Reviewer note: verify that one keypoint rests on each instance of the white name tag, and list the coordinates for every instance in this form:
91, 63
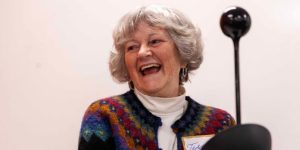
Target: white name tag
195, 142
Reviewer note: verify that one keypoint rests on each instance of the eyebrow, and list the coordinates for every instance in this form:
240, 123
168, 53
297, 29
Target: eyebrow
131, 39
151, 34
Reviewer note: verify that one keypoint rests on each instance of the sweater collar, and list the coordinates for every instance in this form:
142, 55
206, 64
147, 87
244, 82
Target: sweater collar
138, 109
193, 109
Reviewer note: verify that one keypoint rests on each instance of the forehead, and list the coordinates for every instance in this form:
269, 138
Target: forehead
144, 29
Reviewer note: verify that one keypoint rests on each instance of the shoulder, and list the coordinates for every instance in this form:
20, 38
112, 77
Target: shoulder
211, 119
98, 116
220, 117
105, 105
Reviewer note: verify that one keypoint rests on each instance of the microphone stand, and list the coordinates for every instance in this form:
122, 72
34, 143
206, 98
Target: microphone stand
235, 22
237, 80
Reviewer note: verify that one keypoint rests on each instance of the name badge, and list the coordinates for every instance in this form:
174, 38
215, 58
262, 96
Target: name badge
195, 142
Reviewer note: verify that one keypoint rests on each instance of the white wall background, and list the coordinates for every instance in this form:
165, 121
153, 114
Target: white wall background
54, 54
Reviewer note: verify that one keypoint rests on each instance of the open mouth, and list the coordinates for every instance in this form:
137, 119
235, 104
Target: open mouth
150, 69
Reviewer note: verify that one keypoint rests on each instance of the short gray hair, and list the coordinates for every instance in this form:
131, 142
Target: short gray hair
186, 36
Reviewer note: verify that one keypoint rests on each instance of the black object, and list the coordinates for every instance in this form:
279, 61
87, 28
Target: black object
235, 22
241, 137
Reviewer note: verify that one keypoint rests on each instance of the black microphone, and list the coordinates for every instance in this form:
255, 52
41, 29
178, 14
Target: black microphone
235, 22
241, 137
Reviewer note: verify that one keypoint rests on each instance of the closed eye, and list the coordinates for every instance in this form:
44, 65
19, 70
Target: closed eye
132, 47
155, 42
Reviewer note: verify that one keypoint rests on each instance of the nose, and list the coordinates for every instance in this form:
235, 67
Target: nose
144, 51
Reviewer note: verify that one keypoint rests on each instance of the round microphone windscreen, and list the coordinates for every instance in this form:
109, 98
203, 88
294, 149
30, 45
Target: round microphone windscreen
241, 137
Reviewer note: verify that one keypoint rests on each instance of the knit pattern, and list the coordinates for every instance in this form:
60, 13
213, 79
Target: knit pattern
124, 119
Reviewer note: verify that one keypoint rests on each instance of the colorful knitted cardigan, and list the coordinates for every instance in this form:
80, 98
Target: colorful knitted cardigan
123, 123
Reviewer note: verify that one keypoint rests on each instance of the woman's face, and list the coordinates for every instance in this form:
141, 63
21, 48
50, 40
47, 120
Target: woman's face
153, 62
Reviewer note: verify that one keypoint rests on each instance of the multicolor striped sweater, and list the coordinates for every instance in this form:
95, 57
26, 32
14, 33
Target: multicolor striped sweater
123, 123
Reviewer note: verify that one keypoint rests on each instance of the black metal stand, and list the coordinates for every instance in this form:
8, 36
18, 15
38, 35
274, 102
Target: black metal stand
237, 80
235, 23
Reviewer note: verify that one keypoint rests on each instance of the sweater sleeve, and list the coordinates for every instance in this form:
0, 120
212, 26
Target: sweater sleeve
232, 121
95, 132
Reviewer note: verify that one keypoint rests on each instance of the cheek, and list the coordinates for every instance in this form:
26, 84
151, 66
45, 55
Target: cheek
175, 64
127, 60
173, 59
130, 62
172, 66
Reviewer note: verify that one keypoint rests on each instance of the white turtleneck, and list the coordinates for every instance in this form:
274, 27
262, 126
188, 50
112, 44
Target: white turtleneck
169, 110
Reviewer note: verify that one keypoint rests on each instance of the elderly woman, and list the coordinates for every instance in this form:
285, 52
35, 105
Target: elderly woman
156, 49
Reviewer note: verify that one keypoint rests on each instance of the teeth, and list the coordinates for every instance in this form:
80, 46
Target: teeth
149, 66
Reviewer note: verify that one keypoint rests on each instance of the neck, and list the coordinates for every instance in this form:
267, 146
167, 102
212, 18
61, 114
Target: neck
163, 106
